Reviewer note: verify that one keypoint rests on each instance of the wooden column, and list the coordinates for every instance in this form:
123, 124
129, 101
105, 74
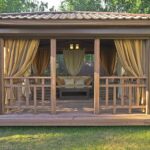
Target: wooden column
96, 75
147, 68
53, 75
1, 76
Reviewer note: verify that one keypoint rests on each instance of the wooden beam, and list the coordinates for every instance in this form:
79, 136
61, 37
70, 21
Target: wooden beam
96, 75
53, 75
1, 76
74, 119
147, 69
78, 32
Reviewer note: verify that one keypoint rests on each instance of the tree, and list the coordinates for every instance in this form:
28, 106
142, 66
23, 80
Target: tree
131, 6
22, 6
80, 5
136, 6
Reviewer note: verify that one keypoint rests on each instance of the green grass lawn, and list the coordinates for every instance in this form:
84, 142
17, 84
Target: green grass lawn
75, 138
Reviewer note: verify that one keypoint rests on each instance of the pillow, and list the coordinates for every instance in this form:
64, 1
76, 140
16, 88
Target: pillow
69, 83
79, 83
60, 81
88, 81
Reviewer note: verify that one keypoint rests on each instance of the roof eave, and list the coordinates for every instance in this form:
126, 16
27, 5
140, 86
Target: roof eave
102, 22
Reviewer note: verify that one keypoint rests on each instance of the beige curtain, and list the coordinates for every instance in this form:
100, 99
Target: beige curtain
73, 60
41, 61
19, 55
131, 55
108, 59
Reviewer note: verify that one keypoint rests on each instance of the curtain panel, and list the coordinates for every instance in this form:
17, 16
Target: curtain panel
73, 60
131, 55
41, 61
108, 57
18, 57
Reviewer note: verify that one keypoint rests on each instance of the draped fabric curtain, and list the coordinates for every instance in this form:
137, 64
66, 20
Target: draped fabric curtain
131, 55
19, 55
41, 61
108, 60
73, 60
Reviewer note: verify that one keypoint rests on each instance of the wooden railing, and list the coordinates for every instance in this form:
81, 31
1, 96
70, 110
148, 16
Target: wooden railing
123, 93
118, 94
27, 94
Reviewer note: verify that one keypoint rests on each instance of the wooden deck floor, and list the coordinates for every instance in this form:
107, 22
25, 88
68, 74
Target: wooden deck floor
72, 106
73, 113
74, 119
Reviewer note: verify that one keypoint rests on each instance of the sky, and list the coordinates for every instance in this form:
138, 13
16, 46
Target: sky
51, 3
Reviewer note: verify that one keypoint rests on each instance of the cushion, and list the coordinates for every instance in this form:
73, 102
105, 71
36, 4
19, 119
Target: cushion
88, 81
60, 81
69, 83
79, 83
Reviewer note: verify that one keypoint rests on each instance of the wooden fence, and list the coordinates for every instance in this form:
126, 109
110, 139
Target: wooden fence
123, 93
27, 93
34, 93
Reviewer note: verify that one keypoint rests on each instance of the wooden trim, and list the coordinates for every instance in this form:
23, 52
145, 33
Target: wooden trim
123, 77
53, 75
96, 75
1, 76
92, 37
33, 77
78, 32
75, 120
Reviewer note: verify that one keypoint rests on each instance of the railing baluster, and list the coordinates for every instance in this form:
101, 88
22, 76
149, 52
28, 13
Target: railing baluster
138, 93
11, 92
35, 100
130, 99
122, 92
114, 99
43, 92
27, 91
106, 97
19, 91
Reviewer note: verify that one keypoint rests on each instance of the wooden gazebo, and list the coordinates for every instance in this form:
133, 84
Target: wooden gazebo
22, 34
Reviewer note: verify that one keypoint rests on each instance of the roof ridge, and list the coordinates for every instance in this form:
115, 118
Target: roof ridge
76, 15
67, 12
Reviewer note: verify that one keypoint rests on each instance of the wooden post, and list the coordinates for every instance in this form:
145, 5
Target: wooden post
1, 76
96, 75
53, 75
147, 68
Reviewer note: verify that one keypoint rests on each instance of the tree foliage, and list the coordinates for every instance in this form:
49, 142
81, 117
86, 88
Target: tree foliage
80, 5
22, 6
131, 6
